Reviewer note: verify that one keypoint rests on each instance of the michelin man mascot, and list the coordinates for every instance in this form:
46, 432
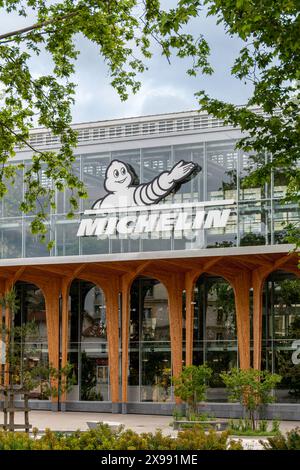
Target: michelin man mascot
124, 190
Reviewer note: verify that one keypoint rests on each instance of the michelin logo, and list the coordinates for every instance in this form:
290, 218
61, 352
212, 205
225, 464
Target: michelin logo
131, 209
124, 190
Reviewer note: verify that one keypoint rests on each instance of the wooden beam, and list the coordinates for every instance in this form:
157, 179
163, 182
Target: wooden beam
18, 274
113, 267
78, 270
209, 264
48, 270
176, 264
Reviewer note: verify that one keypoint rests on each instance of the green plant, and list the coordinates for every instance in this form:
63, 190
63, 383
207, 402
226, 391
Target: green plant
177, 414
252, 388
275, 426
191, 386
263, 425
103, 438
280, 442
243, 427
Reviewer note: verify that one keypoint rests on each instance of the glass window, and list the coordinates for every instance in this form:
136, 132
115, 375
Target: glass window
63, 197
247, 164
88, 350
281, 332
284, 215
34, 347
66, 240
221, 170
33, 246
149, 344
215, 336
94, 169
254, 223
193, 189
11, 238
14, 196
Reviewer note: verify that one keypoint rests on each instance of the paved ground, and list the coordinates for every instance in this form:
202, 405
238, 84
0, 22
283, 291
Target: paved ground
70, 421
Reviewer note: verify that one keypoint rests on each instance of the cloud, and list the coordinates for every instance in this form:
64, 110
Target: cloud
165, 88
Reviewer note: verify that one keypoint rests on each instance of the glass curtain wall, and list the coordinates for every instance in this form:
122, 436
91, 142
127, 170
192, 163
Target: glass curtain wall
281, 333
257, 218
34, 348
215, 336
88, 351
149, 342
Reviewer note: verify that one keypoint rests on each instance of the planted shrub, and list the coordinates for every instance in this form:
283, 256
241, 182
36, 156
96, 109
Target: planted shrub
280, 442
103, 438
191, 386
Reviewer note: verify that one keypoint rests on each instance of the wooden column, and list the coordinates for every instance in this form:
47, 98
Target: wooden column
126, 285
65, 289
52, 292
189, 317
257, 284
241, 285
9, 283
2, 291
175, 288
112, 323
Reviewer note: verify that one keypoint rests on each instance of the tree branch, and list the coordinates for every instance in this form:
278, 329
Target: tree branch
18, 32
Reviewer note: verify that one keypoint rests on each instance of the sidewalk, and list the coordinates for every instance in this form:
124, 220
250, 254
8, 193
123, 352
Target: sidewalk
71, 421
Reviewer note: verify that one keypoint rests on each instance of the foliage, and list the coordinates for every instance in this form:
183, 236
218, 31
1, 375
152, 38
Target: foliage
103, 438
270, 61
191, 385
281, 442
123, 31
252, 388
252, 239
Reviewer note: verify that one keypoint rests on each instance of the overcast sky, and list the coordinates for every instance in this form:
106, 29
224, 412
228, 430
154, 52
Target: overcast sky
165, 88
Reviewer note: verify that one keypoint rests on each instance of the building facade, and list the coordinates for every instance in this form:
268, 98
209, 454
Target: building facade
170, 261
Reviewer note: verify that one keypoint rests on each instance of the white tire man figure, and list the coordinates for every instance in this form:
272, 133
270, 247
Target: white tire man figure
124, 190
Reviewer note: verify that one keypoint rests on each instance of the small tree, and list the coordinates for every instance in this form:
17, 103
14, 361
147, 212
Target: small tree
191, 386
24, 371
252, 388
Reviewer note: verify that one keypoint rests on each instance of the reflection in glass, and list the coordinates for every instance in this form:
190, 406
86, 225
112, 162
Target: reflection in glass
281, 332
88, 342
11, 238
254, 223
94, 169
221, 170
66, 241
215, 336
63, 197
32, 309
33, 246
14, 196
149, 343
